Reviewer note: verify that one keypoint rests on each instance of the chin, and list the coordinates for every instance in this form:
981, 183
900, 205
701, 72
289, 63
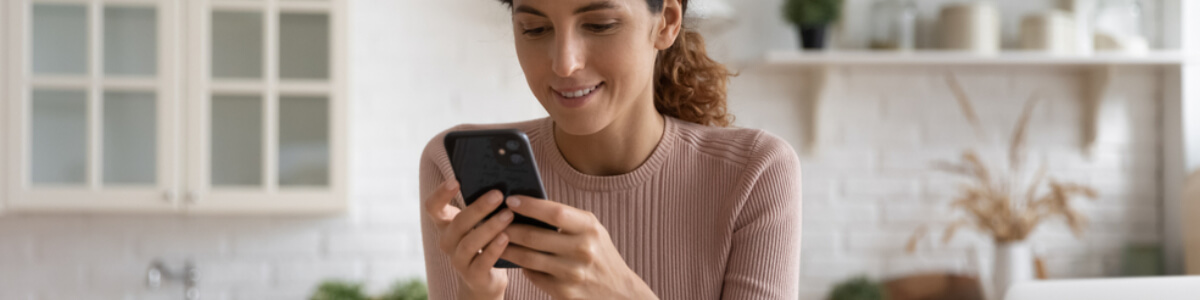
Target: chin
580, 123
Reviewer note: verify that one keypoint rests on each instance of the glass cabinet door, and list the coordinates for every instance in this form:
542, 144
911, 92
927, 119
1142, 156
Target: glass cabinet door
270, 111
95, 130
58, 152
60, 38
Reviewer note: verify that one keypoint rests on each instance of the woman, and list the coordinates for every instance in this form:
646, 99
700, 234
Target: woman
652, 196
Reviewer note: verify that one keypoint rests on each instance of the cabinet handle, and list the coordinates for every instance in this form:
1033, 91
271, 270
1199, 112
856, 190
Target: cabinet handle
192, 197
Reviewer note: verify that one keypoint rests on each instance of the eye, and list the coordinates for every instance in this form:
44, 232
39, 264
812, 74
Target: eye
534, 31
600, 27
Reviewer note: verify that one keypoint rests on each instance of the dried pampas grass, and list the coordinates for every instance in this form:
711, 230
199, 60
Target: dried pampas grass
992, 201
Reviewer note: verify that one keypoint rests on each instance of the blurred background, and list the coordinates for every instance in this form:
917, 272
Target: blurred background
267, 146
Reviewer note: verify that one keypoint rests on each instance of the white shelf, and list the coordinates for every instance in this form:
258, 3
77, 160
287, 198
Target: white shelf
1098, 73
935, 58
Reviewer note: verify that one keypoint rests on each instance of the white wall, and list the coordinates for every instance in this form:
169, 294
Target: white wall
418, 67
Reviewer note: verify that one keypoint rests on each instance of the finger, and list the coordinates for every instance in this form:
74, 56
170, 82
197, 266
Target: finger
438, 204
541, 280
535, 260
538, 276
475, 240
486, 260
468, 218
568, 219
542, 239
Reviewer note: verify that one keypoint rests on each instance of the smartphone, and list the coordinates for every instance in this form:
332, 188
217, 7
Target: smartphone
499, 159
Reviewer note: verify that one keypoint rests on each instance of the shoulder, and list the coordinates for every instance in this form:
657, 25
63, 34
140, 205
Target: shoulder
771, 151
434, 154
763, 171
754, 149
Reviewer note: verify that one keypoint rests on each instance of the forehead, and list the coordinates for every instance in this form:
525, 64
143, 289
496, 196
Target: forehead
575, 6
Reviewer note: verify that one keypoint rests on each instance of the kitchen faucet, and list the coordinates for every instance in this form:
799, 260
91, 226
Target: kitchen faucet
189, 275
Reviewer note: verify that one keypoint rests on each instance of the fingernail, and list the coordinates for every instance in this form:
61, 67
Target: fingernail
502, 239
514, 202
506, 215
495, 197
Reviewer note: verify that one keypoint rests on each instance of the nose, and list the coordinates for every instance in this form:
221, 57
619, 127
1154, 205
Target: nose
568, 53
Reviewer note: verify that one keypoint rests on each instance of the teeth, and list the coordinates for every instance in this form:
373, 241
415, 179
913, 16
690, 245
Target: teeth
579, 93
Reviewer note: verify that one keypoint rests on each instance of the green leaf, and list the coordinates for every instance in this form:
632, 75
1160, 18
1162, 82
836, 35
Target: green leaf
858, 288
339, 290
413, 289
812, 12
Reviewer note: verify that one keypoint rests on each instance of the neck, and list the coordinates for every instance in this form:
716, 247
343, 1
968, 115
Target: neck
617, 149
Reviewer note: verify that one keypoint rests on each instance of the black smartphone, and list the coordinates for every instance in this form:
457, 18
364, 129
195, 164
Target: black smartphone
499, 159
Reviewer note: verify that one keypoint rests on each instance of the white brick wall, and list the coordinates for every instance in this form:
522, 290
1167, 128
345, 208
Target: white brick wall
418, 67
865, 198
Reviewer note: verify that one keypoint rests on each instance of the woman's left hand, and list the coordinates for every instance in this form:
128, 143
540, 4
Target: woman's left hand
578, 261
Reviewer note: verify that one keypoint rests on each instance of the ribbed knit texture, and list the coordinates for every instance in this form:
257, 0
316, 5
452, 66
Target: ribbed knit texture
714, 213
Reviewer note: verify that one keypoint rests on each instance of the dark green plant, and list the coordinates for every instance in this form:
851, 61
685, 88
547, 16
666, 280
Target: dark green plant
858, 288
339, 290
812, 12
412, 290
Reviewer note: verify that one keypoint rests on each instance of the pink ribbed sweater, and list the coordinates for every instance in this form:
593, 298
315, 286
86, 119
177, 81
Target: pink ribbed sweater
714, 213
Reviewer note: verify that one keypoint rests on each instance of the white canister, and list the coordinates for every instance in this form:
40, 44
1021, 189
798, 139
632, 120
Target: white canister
1051, 32
973, 26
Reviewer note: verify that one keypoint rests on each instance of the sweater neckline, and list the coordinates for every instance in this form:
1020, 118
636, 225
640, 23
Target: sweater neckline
643, 173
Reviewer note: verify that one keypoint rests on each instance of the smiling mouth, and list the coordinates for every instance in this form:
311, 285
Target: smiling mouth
579, 93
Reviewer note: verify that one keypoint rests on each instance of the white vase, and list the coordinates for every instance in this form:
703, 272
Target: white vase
1013, 264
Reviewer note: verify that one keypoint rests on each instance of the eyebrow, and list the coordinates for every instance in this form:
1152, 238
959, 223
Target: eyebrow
598, 5
594, 6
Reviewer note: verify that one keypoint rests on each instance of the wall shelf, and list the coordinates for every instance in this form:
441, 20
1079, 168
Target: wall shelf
947, 58
1097, 71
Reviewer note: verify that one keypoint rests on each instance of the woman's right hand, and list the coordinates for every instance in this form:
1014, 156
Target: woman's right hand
473, 247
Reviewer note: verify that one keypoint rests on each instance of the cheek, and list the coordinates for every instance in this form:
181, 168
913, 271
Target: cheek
535, 64
529, 57
627, 64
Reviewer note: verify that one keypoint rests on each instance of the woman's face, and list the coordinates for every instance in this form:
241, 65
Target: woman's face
590, 62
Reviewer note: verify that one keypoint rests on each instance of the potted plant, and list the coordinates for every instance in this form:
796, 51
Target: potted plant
858, 288
1007, 203
811, 18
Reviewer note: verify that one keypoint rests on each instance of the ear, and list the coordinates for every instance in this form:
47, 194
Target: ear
670, 23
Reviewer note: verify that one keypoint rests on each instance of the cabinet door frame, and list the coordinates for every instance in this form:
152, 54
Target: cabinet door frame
6, 24
94, 196
202, 197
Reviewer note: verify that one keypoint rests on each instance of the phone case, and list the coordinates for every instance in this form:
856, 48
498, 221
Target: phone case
500, 159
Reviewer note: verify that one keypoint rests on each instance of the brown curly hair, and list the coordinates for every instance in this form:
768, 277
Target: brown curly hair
688, 84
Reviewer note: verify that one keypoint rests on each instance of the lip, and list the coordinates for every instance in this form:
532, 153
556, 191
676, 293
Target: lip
578, 102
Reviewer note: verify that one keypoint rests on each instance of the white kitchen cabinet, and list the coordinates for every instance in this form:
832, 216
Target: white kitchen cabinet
233, 106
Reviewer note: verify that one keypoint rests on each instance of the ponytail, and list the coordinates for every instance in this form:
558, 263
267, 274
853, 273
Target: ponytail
690, 86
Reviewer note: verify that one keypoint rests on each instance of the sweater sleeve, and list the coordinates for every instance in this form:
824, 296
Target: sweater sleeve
440, 275
764, 256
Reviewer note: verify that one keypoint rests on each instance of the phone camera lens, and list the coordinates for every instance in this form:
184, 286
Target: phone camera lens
517, 159
512, 145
